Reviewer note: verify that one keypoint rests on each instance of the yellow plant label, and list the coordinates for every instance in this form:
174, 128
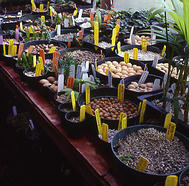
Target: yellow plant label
75, 12
89, 110
47, 5
87, 95
96, 33
142, 112
126, 57
145, 66
41, 7
73, 101
33, 5
119, 47
135, 53
105, 132
82, 113
124, 123
38, 70
98, 121
171, 128
51, 13
30, 30
52, 50
34, 61
42, 20
163, 51
41, 64
117, 29
113, 37
139, 107
95, 64
14, 50
4, 49
21, 26
122, 115
167, 120
121, 91
142, 164
108, 69
144, 45
10, 47
171, 180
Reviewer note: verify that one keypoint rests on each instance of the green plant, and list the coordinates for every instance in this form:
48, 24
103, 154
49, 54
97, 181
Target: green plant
26, 61
125, 157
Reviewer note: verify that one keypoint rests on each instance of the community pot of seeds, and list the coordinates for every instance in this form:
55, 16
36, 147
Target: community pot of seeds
133, 87
82, 54
165, 156
144, 57
118, 68
72, 124
184, 177
105, 99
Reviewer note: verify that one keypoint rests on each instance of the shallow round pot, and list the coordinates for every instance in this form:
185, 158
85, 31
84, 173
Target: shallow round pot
67, 106
182, 174
142, 177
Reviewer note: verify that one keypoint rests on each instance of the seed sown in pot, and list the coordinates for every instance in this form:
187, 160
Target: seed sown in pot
111, 108
165, 156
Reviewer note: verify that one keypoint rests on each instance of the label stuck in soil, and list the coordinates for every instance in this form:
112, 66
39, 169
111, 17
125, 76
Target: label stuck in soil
171, 128
4, 50
96, 33
121, 91
119, 47
20, 50
87, 94
105, 132
124, 123
73, 101
142, 112
89, 110
144, 45
52, 50
126, 57
82, 113
41, 7
167, 120
60, 82
171, 180
142, 164
34, 61
122, 115
163, 51
135, 53
109, 79
21, 26
98, 121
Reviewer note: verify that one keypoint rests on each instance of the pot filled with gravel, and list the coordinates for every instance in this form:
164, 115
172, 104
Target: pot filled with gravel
165, 157
184, 177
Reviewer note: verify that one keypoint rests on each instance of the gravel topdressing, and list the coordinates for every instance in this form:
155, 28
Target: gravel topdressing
164, 156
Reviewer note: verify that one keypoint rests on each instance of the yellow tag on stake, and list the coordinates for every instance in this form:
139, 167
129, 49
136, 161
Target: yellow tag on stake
4, 49
135, 53
52, 50
82, 113
96, 33
42, 20
73, 101
144, 45
89, 110
30, 30
142, 164
122, 115
171, 180
142, 112
41, 63
87, 95
98, 121
105, 132
126, 57
119, 47
121, 91
171, 128
41, 7
21, 26
163, 51
167, 120
34, 61
108, 69
139, 107
75, 12
14, 50
124, 123
113, 38
38, 70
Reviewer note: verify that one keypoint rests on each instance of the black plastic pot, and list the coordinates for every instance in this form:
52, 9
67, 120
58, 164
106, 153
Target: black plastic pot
106, 92
41, 13
57, 103
32, 17
19, 69
47, 55
150, 79
149, 48
143, 178
182, 175
115, 81
67, 108
181, 126
74, 129
32, 81
10, 25
9, 61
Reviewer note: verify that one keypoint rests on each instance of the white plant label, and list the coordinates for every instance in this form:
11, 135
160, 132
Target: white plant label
79, 72
133, 39
60, 82
58, 30
93, 71
72, 71
31, 125
173, 87
85, 77
143, 77
164, 81
80, 13
66, 21
94, 4
155, 61
131, 33
168, 104
122, 81
156, 84
109, 78
14, 110
153, 39
60, 15
91, 77
73, 20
